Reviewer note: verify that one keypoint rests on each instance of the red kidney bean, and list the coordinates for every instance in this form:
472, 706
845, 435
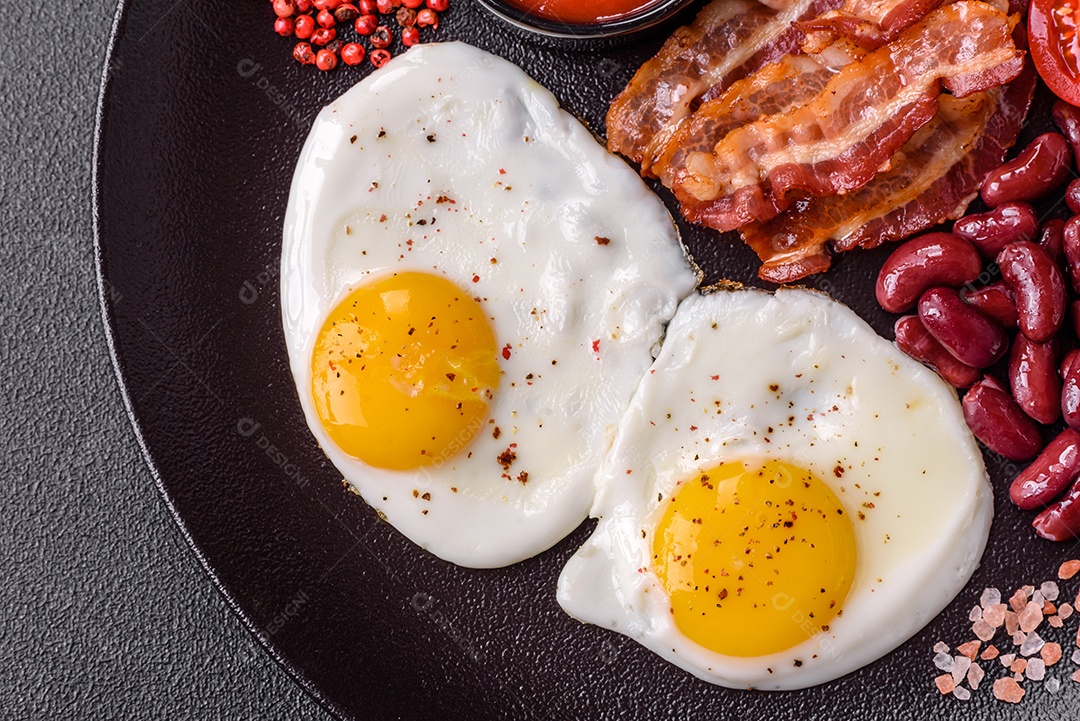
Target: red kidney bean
992, 231
1039, 168
1070, 392
1072, 196
994, 300
913, 339
923, 262
996, 420
1033, 377
1060, 521
1068, 360
1038, 286
1052, 239
1049, 474
1067, 119
1070, 243
969, 335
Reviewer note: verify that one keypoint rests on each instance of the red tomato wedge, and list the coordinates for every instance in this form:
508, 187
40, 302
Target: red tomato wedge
1055, 46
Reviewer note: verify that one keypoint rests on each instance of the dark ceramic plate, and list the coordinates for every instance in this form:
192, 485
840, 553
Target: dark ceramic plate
203, 114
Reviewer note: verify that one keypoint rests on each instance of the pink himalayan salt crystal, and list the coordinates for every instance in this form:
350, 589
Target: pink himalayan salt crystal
969, 649
1008, 690
944, 683
975, 676
1065, 610
994, 614
1050, 653
982, 630
989, 653
1068, 569
1030, 617
1012, 622
1055, 621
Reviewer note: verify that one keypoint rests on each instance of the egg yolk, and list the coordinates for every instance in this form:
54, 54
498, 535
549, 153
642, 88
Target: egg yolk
755, 558
403, 370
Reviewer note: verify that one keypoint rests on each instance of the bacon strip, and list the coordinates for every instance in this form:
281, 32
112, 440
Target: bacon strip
870, 23
839, 140
932, 179
774, 89
724, 36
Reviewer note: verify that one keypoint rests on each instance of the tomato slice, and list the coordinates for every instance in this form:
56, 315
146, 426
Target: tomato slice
1055, 45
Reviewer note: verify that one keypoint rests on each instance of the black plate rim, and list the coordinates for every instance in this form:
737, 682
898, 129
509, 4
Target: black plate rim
107, 321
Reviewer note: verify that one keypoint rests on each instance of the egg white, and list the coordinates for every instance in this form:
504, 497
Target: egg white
794, 376
452, 161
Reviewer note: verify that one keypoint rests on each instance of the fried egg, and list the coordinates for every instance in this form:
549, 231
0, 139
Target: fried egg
472, 288
787, 499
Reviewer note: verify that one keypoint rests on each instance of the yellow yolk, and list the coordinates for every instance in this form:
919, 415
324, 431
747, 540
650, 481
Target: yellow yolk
403, 370
755, 559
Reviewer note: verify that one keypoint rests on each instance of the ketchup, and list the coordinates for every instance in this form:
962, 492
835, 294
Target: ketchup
575, 12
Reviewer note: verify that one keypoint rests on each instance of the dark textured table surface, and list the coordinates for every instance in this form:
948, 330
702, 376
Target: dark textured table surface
104, 612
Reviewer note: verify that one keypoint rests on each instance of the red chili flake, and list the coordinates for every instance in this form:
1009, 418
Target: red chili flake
601, 240
507, 458
596, 346
693, 428
476, 279
506, 351
715, 378
382, 218
523, 477
502, 171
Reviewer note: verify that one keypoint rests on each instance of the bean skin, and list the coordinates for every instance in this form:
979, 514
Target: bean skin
1038, 286
1067, 119
1052, 239
990, 232
994, 300
1070, 243
1033, 376
969, 335
923, 262
1070, 392
1049, 474
1061, 521
1072, 196
996, 420
1039, 168
1068, 360
913, 339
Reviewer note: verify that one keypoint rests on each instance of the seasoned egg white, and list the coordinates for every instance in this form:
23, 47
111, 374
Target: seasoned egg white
453, 164
743, 377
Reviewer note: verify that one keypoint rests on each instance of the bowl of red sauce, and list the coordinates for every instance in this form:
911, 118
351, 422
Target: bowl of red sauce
584, 18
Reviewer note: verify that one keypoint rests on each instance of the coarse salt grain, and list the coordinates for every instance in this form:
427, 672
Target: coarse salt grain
975, 676
944, 662
1030, 617
1068, 569
1075, 658
992, 596
1008, 690
1076, 675
1037, 597
944, 683
1035, 670
989, 653
1055, 621
994, 614
941, 647
1018, 638
1052, 684
1049, 591
1018, 665
1065, 610
1018, 600
1028, 589
982, 630
961, 664
961, 693
1049, 608
1012, 624
1032, 644
1007, 659
975, 613
969, 649
1050, 653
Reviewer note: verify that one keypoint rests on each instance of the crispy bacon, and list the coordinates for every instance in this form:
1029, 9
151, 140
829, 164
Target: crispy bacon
932, 179
724, 36
839, 140
774, 89
870, 23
